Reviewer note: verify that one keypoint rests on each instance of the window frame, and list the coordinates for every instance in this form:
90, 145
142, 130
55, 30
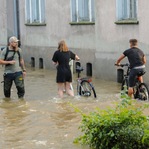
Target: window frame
75, 19
35, 12
127, 14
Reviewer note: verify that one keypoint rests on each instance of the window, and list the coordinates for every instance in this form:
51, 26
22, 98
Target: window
35, 11
82, 11
126, 10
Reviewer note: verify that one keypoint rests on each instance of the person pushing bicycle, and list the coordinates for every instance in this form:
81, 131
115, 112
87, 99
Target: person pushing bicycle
137, 62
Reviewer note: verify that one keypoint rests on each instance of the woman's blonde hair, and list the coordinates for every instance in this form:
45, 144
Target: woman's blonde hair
62, 46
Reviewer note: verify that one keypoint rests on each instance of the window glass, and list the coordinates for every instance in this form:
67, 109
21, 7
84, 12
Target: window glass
93, 10
42, 4
82, 10
74, 11
35, 11
126, 9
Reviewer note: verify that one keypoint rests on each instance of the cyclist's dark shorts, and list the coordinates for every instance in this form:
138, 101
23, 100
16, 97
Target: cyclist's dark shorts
133, 74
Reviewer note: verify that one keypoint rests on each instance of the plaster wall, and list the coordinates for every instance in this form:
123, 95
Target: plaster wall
112, 39
42, 41
100, 44
3, 24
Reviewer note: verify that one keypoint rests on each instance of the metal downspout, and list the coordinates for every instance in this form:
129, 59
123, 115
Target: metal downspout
17, 19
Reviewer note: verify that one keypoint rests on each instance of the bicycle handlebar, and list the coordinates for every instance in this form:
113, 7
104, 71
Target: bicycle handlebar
122, 65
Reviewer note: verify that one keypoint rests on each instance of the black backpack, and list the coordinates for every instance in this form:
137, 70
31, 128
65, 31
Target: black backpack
7, 51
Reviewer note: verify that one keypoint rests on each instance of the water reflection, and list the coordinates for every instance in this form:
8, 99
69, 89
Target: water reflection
43, 121
64, 115
13, 121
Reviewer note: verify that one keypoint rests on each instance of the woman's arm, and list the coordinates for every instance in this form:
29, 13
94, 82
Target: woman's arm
77, 57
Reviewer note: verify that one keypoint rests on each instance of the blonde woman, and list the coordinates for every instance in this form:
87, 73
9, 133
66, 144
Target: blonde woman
64, 76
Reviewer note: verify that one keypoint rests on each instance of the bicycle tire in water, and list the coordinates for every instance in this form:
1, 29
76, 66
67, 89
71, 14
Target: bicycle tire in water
125, 85
143, 92
87, 89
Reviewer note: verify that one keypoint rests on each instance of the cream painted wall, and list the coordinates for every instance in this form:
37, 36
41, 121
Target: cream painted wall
112, 39
80, 38
101, 44
57, 27
3, 24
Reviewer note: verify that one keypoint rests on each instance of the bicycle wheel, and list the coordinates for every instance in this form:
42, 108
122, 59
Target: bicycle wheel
143, 92
87, 89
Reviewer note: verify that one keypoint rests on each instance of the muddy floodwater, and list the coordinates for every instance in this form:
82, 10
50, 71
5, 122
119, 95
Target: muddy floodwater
43, 121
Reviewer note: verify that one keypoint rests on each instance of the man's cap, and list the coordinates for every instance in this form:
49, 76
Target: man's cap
13, 39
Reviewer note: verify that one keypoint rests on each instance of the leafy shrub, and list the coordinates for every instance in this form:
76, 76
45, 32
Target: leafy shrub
122, 127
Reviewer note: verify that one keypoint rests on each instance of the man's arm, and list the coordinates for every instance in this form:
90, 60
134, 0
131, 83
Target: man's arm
23, 67
3, 57
144, 59
22, 64
120, 58
2, 62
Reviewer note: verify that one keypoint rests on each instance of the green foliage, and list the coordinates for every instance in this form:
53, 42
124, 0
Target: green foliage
122, 127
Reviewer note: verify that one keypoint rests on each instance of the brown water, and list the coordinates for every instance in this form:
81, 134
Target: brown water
43, 121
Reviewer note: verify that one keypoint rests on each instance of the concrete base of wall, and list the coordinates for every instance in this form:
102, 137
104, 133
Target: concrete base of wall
102, 62
46, 54
105, 68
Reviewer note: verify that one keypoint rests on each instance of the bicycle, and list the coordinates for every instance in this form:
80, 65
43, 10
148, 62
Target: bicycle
141, 90
84, 85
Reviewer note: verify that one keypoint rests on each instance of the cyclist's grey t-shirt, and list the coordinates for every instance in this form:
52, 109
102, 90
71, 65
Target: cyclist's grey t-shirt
135, 57
15, 67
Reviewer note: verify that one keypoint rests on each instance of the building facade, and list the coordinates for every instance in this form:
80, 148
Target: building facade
98, 31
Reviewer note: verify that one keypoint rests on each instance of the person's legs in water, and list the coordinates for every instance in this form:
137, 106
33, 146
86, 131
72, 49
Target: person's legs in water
8, 80
131, 83
69, 90
130, 92
60, 89
141, 72
71, 87
19, 82
140, 79
132, 80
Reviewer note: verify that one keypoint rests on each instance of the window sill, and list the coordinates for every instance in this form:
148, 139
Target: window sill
35, 24
127, 22
82, 23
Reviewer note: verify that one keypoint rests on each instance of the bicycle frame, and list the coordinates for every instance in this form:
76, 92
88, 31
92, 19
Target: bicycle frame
138, 92
79, 79
78, 70
84, 85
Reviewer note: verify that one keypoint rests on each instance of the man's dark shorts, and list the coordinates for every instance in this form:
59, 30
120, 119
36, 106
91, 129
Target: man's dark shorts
133, 75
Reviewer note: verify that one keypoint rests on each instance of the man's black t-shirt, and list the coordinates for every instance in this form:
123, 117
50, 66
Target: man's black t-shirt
135, 57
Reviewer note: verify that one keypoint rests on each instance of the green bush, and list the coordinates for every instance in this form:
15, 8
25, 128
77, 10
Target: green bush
122, 127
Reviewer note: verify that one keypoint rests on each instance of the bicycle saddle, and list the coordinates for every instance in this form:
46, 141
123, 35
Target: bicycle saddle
79, 69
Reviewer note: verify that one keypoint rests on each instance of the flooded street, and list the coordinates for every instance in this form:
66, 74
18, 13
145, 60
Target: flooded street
43, 121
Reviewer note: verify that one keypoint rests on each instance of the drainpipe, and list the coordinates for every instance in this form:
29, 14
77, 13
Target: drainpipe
17, 19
